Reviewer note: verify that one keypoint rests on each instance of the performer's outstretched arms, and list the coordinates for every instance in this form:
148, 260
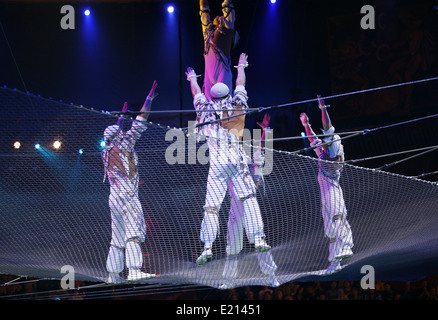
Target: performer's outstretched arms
326, 122
148, 102
241, 76
192, 78
306, 124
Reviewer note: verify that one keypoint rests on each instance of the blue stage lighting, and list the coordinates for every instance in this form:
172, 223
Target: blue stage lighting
170, 9
273, 1
37, 146
87, 12
102, 144
81, 151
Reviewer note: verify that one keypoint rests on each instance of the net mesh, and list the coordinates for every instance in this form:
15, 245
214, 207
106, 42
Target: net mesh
55, 206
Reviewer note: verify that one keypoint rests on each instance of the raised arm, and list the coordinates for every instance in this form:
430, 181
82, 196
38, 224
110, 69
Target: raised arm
192, 78
241, 76
148, 102
326, 122
308, 128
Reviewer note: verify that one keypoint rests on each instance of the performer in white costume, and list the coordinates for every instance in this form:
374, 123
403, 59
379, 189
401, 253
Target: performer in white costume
128, 228
220, 37
227, 158
334, 211
238, 224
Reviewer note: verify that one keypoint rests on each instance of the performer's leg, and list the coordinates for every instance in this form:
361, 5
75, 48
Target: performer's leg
234, 239
235, 228
254, 224
117, 207
338, 230
266, 262
268, 267
135, 224
114, 264
336, 226
134, 261
134, 256
216, 190
231, 268
115, 259
344, 237
245, 189
135, 233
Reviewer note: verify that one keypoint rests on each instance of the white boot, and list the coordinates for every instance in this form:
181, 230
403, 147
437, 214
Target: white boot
261, 245
134, 262
335, 266
115, 264
137, 275
227, 284
205, 256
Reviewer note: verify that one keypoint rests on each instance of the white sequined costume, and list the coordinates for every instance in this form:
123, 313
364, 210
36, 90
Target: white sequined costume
334, 211
128, 226
228, 161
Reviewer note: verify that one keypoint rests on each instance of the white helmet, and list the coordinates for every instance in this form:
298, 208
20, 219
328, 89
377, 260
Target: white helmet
219, 90
110, 133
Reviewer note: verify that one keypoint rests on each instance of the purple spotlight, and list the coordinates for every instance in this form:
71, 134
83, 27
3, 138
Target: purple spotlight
170, 9
87, 12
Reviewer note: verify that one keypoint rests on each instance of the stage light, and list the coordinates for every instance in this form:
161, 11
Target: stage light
303, 134
170, 9
17, 145
102, 144
57, 144
37, 146
87, 12
81, 151
273, 1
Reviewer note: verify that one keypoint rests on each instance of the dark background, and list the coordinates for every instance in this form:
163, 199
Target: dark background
296, 49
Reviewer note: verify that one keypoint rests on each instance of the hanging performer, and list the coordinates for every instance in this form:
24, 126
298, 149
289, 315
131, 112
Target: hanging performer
334, 212
128, 228
227, 158
220, 37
